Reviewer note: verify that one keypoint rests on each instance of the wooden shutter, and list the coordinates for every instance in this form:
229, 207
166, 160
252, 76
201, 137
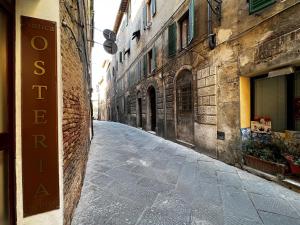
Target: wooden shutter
191, 21
120, 57
256, 5
145, 22
145, 68
153, 62
172, 35
153, 7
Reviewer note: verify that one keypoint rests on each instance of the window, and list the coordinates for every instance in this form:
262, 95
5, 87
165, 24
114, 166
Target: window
172, 39
145, 65
277, 98
184, 98
151, 60
257, 5
149, 12
184, 30
186, 25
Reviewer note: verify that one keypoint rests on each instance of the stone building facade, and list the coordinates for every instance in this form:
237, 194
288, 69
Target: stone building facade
187, 71
76, 35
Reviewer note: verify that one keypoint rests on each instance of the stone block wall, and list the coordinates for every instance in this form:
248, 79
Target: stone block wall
206, 113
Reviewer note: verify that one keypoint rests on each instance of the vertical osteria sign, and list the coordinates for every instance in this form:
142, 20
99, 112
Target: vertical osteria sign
39, 116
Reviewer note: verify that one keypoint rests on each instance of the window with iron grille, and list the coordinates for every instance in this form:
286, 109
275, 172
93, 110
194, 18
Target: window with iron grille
184, 98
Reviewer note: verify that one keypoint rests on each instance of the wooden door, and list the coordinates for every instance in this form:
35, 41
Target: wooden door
184, 107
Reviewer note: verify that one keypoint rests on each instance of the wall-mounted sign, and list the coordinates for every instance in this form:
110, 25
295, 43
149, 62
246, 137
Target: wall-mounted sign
39, 116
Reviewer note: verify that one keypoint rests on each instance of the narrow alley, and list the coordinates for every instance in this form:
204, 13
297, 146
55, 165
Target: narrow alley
134, 177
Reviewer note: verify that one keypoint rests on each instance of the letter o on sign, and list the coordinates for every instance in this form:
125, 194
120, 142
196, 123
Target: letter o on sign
41, 46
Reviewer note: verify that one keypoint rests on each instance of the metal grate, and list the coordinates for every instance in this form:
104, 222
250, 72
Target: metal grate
184, 98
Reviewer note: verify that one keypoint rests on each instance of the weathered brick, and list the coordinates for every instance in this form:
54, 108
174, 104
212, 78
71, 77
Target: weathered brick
200, 102
212, 100
207, 91
212, 70
76, 111
201, 83
205, 72
208, 110
199, 74
211, 80
205, 100
204, 119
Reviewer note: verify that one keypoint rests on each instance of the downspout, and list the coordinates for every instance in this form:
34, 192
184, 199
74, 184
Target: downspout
211, 35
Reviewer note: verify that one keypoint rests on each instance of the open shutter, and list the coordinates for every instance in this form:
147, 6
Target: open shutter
257, 5
145, 22
153, 7
121, 57
191, 21
172, 36
153, 63
145, 68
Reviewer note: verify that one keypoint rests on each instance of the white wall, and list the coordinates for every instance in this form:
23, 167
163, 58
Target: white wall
49, 10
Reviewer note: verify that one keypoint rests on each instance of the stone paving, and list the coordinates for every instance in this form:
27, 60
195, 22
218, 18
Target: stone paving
136, 178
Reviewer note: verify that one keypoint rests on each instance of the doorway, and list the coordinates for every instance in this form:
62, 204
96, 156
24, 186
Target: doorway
7, 175
139, 114
184, 107
151, 115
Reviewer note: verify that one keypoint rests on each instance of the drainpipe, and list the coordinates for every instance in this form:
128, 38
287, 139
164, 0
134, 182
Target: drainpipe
211, 35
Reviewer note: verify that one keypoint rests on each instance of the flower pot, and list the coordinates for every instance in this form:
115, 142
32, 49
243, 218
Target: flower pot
265, 166
295, 169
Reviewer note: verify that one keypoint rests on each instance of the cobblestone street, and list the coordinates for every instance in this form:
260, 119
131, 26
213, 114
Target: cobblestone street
134, 177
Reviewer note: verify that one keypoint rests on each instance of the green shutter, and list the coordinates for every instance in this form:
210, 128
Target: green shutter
120, 57
145, 68
145, 16
153, 63
257, 5
191, 21
140, 69
172, 35
153, 7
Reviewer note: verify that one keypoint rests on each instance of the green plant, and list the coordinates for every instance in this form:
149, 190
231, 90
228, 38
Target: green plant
269, 149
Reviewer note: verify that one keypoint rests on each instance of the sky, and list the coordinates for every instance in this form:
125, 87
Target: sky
105, 14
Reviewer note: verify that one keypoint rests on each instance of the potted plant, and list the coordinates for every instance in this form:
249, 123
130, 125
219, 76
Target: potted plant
264, 155
292, 155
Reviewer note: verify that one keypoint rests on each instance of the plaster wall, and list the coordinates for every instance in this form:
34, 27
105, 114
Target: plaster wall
48, 10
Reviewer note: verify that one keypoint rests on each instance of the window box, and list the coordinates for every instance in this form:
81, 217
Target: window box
265, 166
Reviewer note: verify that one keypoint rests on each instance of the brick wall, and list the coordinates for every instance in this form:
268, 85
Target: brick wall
76, 107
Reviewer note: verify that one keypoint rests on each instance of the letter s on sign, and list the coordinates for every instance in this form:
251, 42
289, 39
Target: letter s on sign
33, 43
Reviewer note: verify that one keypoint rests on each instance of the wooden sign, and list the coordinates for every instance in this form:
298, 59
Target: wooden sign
39, 116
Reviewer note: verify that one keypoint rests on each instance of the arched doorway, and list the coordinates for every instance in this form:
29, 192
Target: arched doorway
151, 109
184, 107
139, 117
